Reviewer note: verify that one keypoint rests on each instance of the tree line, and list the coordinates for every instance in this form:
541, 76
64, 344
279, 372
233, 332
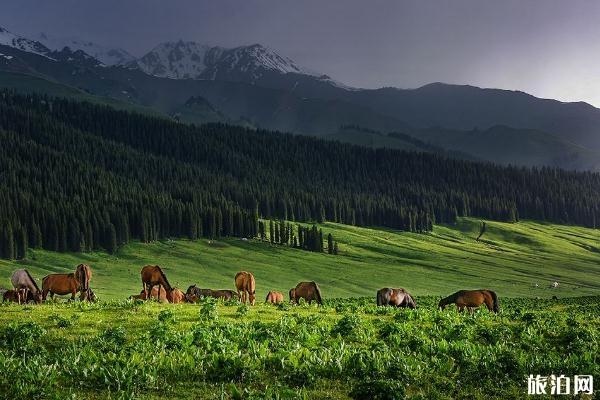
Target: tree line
79, 176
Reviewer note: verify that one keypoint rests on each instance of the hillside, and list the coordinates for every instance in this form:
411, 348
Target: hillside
83, 176
510, 258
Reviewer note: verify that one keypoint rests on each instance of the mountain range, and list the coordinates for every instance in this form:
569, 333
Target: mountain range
255, 86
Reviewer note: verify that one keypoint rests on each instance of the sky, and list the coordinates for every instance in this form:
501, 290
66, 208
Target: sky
548, 48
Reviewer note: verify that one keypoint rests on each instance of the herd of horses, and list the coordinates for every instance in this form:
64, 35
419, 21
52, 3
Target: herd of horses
155, 285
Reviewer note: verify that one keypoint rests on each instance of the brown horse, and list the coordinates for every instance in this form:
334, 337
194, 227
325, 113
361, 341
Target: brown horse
24, 284
12, 296
177, 296
274, 297
397, 297
194, 293
472, 299
152, 275
308, 291
153, 295
245, 283
60, 284
83, 273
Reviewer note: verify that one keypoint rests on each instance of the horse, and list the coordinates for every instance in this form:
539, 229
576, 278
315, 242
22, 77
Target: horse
83, 273
194, 293
308, 291
472, 299
177, 296
60, 284
152, 275
153, 295
398, 297
88, 295
274, 297
13, 296
245, 283
224, 294
24, 284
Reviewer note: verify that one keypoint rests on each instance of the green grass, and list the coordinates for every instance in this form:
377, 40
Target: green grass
345, 349
509, 259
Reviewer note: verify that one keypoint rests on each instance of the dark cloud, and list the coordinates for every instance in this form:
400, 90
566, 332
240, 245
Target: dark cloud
546, 47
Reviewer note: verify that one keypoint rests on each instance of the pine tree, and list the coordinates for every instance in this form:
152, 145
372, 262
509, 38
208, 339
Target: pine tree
330, 244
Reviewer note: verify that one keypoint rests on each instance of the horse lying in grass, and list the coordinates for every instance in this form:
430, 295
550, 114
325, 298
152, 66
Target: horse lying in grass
395, 297
194, 294
472, 299
274, 297
177, 296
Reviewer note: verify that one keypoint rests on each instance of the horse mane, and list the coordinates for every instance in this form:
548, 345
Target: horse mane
167, 284
32, 280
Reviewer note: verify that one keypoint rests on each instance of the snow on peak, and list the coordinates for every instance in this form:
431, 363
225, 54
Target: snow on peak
106, 55
177, 60
190, 60
8, 38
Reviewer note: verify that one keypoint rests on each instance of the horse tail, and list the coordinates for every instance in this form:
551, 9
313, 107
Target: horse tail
495, 303
167, 284
318, 293
32, 281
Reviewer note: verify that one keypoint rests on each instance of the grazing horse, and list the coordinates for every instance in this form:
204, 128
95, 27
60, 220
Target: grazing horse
24, 284
245, 283
60, 284
152, 275
88, 295
472, 299
274, 297
83, 273
308, 291
395, 297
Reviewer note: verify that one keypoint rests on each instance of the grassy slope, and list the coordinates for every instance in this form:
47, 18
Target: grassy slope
509, 259
23, 83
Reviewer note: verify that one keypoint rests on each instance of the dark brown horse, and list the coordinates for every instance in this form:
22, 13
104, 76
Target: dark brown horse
24, 284
245, 283
88, 295
397, 297
194, 294
60, 284
83, 273
308, 291
472, 299
274, 297
224, 294
152, 275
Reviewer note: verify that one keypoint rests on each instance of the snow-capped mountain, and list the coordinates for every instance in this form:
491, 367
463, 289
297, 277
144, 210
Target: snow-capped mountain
106, 55
190, 60
22, 43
